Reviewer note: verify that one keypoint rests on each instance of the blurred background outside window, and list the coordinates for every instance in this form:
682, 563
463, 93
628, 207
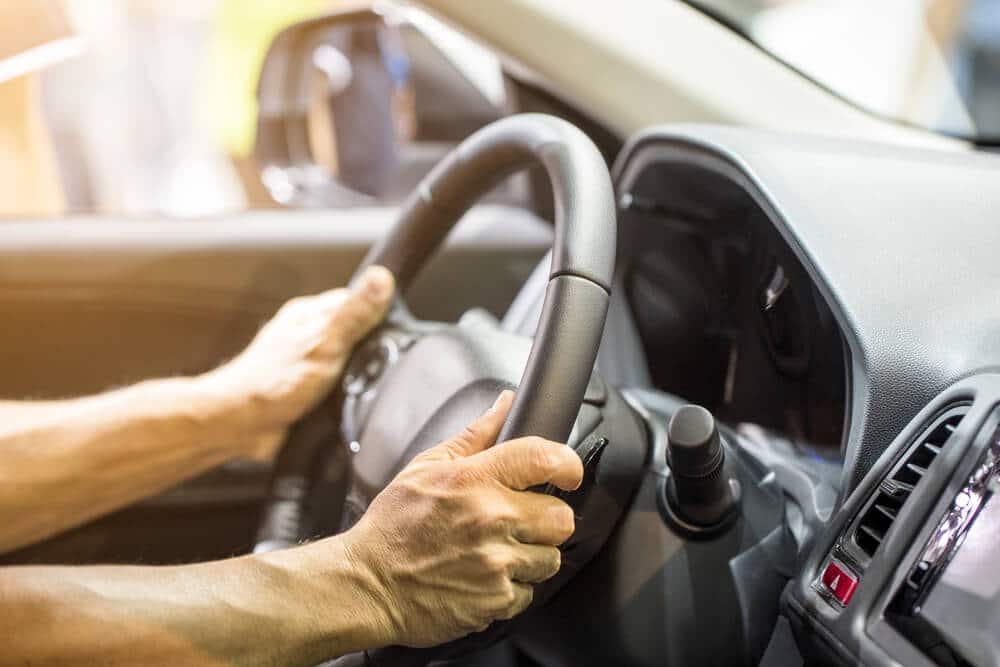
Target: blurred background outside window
157, 113
930, 63
154, 110
147, 107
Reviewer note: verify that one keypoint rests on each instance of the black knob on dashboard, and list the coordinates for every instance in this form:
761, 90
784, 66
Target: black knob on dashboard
698, 491
694, 447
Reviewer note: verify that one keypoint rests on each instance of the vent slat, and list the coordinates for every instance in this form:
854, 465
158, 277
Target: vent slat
887, 511
872, 533
893, 492
901, 489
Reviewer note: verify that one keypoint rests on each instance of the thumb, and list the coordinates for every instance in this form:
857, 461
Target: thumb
363, 306
480, 434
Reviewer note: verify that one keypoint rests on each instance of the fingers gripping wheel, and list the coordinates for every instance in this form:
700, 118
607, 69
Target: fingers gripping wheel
583, 257
566, 341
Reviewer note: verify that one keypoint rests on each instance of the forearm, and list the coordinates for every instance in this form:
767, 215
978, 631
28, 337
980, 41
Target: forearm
65, 462
255, 610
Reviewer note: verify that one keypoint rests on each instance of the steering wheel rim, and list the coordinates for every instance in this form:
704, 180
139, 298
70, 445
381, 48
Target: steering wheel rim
583, 256
565, 346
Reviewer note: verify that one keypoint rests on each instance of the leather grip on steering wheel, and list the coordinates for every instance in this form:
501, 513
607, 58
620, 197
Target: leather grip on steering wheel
565, 347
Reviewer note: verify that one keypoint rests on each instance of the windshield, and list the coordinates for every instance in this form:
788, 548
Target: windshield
930, 63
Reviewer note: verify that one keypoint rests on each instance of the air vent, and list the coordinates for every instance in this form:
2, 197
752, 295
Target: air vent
896, 488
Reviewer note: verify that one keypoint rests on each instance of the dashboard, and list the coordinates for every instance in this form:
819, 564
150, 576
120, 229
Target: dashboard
889, 253
904, 573
726, 314
841, 298
836, 305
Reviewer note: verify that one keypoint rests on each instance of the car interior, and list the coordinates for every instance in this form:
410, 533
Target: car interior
774, 353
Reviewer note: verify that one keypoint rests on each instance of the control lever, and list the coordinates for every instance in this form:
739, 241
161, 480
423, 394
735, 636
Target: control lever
700, 497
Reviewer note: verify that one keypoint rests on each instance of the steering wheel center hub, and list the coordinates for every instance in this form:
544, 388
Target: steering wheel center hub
427, 394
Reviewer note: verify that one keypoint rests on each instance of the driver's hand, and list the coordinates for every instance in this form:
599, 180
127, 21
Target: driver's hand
297, 357
455, 541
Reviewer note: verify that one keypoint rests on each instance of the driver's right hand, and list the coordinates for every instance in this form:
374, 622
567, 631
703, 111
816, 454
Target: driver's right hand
456, 540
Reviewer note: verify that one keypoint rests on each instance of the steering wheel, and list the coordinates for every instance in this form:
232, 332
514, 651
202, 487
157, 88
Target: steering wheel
415, 383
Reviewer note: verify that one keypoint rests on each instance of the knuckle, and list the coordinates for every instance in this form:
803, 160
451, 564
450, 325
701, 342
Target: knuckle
460, 476
369, 299
481, 525
518, 601
541, 455
443, 477
469, 435
495, 563
507, 595
564, 521
503, 518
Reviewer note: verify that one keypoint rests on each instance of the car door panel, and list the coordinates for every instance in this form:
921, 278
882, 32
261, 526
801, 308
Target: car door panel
93, 303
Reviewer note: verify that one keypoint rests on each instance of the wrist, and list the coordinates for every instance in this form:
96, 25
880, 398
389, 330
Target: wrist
335, 603
230, 410
379, 607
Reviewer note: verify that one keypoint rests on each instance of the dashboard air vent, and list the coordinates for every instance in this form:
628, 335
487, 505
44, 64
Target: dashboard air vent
896, 488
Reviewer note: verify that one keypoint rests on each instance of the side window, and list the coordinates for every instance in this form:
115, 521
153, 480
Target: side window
187, 109
356, 108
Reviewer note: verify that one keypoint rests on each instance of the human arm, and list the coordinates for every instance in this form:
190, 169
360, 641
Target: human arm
65, 462
453, 543
251, 610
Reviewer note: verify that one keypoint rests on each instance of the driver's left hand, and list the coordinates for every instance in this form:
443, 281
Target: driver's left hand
297, 357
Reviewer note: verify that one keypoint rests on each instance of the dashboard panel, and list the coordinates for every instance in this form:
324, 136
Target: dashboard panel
923, 592
726, 314
843, 295
898, 243
825, 297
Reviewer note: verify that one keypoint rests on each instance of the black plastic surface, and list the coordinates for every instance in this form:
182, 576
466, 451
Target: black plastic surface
901, 244
699, 492
694, 447
652, 597
561, 361
860, 632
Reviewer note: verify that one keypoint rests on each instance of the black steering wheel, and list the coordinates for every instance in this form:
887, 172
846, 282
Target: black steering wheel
415, 383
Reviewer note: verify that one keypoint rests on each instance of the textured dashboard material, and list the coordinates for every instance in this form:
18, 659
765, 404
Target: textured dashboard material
901, 244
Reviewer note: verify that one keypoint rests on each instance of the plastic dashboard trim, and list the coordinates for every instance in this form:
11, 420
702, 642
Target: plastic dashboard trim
860, 631
654, 148
900, 243
930, 345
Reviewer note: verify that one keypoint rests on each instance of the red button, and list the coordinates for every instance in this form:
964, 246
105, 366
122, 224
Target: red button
839, 582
